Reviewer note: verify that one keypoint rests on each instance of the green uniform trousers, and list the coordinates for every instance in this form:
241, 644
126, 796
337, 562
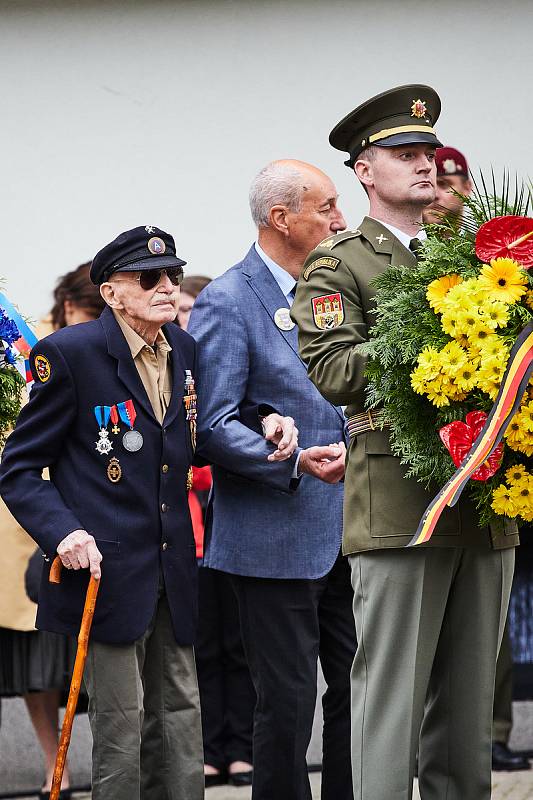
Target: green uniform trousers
429, 623
502, 721
144, 711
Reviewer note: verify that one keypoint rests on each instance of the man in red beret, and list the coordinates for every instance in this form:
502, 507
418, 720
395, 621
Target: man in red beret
452, 176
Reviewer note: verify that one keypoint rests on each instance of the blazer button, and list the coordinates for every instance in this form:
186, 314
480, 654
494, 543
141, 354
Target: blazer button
164, 468
164, 546
164, 507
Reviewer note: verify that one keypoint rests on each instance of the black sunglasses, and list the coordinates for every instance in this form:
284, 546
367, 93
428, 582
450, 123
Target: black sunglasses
148, 278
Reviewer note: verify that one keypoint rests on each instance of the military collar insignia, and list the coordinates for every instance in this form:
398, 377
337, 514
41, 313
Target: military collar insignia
380, 239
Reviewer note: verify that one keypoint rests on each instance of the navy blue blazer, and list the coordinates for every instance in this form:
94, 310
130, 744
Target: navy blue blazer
141, 523
256, 525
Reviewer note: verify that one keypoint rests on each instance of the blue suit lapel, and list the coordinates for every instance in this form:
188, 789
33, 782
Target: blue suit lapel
264, 285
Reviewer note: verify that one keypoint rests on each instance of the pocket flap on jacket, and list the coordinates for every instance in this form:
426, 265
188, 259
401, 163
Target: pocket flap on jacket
377, 443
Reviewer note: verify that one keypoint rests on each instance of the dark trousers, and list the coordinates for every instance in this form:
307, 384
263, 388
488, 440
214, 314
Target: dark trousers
286, 626
227, 694
502, 719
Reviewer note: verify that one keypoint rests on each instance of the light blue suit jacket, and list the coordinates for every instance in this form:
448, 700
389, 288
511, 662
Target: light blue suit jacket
257, 523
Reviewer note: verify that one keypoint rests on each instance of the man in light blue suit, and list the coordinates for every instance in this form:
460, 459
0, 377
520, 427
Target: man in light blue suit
274, 528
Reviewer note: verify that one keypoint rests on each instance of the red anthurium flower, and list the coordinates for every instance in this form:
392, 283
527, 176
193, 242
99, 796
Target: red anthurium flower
458, 437
506, 237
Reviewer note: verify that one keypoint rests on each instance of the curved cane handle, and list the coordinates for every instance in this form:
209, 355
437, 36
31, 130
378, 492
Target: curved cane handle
55, 571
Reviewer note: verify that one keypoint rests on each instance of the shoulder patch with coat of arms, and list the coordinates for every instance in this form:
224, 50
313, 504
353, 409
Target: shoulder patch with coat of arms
42, 368
328, 311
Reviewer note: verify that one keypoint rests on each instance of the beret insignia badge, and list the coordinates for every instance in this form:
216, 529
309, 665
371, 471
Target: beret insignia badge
449, 166
43, 369
418, 109
156, 246
328, 311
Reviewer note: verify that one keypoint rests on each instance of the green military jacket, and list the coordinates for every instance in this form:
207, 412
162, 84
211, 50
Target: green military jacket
333, 309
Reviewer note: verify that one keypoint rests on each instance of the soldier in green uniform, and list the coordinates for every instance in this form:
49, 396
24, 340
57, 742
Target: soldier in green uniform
429, 619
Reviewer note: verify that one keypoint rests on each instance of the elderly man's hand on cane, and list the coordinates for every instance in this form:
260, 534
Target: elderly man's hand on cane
78, 550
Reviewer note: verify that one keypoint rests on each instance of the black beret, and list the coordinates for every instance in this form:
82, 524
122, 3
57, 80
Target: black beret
404, 115
145, 247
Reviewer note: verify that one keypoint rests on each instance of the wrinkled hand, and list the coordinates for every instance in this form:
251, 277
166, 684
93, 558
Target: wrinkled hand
282, 432
78, 550
324, 463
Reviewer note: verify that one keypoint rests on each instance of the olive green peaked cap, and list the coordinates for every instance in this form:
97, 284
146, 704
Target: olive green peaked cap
404, 115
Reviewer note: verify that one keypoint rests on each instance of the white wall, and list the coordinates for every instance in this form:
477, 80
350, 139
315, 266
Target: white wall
116, 114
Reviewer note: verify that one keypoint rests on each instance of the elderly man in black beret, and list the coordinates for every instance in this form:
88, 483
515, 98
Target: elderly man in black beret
113, 415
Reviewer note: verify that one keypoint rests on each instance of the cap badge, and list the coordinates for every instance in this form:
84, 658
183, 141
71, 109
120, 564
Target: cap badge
418, 109
449, 166
156, 246
149, 229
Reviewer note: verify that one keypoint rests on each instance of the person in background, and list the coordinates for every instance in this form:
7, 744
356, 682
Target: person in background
227, 695
190, 289
38, 664
276, 533
453, 176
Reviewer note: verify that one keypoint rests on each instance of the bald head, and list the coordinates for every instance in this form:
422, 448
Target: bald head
282, 183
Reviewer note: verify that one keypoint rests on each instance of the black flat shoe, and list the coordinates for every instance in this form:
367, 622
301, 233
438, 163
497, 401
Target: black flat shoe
217, 779
505, 760
241, 778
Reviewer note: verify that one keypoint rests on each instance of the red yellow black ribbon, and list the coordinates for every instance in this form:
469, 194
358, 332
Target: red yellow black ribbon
514, 382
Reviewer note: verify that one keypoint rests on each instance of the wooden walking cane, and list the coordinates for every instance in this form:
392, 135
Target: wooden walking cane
77, 674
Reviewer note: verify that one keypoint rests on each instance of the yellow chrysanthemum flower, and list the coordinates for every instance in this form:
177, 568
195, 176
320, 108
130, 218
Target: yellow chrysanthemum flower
517, 438
418, 380
515, 473
429, 363
522, 495
466, 378
479, 335
494, 347
526, 416
438, 289
448, 324
503, 502
452, 358
529, 298
504, 279
495, 315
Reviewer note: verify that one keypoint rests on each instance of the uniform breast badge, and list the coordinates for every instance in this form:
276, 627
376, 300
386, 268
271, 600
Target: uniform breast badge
132, 439
103, 445
190, 406
114, 470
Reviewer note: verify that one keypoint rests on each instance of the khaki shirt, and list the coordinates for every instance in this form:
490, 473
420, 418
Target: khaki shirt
154, 368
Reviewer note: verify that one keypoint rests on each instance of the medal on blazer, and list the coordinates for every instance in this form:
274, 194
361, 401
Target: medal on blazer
190, 406
103, 445
114, 470
132, 440
114, 420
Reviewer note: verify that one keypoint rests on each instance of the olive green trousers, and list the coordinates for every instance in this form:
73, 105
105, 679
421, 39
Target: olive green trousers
144, 711
429, 624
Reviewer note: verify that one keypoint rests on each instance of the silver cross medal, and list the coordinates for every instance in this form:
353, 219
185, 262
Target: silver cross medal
103, 445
